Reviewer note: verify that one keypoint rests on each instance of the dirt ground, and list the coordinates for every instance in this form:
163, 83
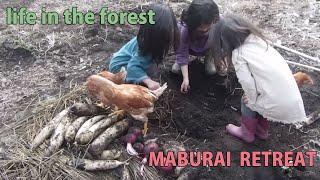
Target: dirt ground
38, 63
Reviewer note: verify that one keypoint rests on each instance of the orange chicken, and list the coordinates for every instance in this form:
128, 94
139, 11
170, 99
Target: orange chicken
137, 100
302, 79
118, 78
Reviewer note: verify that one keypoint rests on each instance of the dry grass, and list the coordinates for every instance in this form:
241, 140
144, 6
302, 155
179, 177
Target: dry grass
45, 42
163, 109
21, 162
26, 164
134, 170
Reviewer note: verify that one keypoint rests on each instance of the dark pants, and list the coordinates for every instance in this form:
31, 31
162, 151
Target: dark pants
209, 65
247, 112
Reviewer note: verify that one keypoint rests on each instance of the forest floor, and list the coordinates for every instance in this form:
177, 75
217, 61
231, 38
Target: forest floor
40, 62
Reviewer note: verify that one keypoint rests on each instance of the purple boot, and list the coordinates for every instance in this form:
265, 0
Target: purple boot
246, 131
262, 128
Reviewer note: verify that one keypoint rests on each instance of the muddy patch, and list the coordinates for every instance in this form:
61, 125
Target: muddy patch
202, 114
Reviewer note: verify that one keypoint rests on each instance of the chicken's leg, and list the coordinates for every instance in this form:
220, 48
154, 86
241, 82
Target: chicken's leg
158, 92
145, 128
119, 113
144, 119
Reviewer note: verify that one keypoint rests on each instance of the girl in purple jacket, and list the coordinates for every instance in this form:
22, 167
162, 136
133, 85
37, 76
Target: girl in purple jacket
196, 23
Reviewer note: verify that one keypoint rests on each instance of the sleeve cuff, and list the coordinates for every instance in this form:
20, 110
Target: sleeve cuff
137, 80
182, 60
182, 63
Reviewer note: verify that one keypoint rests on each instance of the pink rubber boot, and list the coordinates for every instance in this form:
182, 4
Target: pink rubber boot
246, 131
262, 129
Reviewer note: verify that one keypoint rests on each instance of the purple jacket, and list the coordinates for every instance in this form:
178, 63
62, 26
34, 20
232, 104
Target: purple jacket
188, 47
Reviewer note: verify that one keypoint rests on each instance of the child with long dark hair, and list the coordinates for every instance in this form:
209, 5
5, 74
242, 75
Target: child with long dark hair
140, 55
196, 23
270, 90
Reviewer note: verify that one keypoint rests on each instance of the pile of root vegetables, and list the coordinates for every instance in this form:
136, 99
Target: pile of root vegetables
96, 128
89, 125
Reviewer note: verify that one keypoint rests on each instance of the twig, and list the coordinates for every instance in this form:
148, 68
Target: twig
233, 108
315, 59
290, 130
295, 148
305, 66
177, 137
186, 141
313, 117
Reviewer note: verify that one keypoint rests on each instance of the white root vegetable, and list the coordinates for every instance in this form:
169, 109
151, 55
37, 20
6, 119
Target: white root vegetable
73, 128
98, 128
68, 124
175, 147
104, 139
98, 165
47, 131
57, 138
111, 154
87, 125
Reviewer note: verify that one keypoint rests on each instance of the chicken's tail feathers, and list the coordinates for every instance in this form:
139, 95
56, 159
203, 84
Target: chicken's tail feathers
158, 92
310, 80
303, 79
123, 73
123, 69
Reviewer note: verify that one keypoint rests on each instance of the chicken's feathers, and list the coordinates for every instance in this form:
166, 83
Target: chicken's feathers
140, 117
123, 72
158, 92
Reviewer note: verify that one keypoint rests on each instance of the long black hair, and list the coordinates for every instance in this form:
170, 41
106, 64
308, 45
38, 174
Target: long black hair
200, 12
157, 39
229, 34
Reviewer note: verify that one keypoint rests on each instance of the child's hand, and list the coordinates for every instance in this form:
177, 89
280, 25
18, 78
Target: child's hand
185, 86
153, 85
245, 99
